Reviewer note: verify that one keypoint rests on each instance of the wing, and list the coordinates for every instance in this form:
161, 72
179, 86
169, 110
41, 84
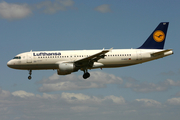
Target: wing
87, 62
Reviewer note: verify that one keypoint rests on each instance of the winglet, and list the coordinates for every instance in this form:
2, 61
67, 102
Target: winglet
106, 50
110, 50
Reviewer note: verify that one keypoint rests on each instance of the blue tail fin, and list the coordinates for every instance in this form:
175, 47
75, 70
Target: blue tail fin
157, 39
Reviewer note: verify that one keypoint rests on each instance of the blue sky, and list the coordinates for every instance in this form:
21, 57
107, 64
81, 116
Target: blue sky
146, 91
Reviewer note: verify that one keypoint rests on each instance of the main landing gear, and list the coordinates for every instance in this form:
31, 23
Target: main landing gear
86, 74
30, 73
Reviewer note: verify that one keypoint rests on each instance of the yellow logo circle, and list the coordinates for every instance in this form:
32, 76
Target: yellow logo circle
158, 36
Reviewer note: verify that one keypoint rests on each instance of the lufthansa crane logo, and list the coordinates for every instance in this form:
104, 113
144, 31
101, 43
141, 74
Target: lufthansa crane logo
158, 36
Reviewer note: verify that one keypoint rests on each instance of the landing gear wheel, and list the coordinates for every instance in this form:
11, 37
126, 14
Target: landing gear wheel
30, 72
86, 75
29, 77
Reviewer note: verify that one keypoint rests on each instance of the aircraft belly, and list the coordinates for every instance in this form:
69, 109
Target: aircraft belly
118, 63
35, 66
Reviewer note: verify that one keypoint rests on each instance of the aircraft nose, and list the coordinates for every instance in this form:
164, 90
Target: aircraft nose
9, 63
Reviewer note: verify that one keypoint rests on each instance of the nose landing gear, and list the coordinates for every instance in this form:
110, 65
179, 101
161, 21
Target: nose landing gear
30, 73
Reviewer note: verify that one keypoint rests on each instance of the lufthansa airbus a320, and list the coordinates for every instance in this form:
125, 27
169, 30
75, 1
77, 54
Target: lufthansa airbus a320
66, 62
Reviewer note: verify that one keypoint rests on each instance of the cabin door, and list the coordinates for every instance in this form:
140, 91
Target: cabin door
29, 57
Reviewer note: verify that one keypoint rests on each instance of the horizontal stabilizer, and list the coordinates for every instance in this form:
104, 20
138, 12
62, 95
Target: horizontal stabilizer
161, 52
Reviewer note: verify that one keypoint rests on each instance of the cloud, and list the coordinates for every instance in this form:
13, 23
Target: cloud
118, 100
172, 83
4, 94
81, 98
148, 102
146, 87
105, 8
174, 101
151, 87
53, 7
16, 11
100, 79
20, 105
72, 82
13, 11
22, 94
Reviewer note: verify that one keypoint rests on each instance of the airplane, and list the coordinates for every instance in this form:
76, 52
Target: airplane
66, 62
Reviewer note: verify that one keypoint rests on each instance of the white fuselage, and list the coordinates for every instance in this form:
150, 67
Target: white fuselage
70, 61
37, 60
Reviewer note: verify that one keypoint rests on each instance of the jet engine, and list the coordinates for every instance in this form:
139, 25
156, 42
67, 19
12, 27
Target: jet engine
65, 68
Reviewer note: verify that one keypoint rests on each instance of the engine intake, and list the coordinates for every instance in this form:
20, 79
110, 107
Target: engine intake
65, 68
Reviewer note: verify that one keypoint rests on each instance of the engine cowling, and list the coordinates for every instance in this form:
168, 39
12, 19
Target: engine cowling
65, 68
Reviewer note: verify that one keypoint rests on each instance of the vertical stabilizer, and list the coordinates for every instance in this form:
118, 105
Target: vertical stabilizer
157, 39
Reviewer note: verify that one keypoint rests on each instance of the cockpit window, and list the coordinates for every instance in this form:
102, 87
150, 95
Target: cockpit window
17, 57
